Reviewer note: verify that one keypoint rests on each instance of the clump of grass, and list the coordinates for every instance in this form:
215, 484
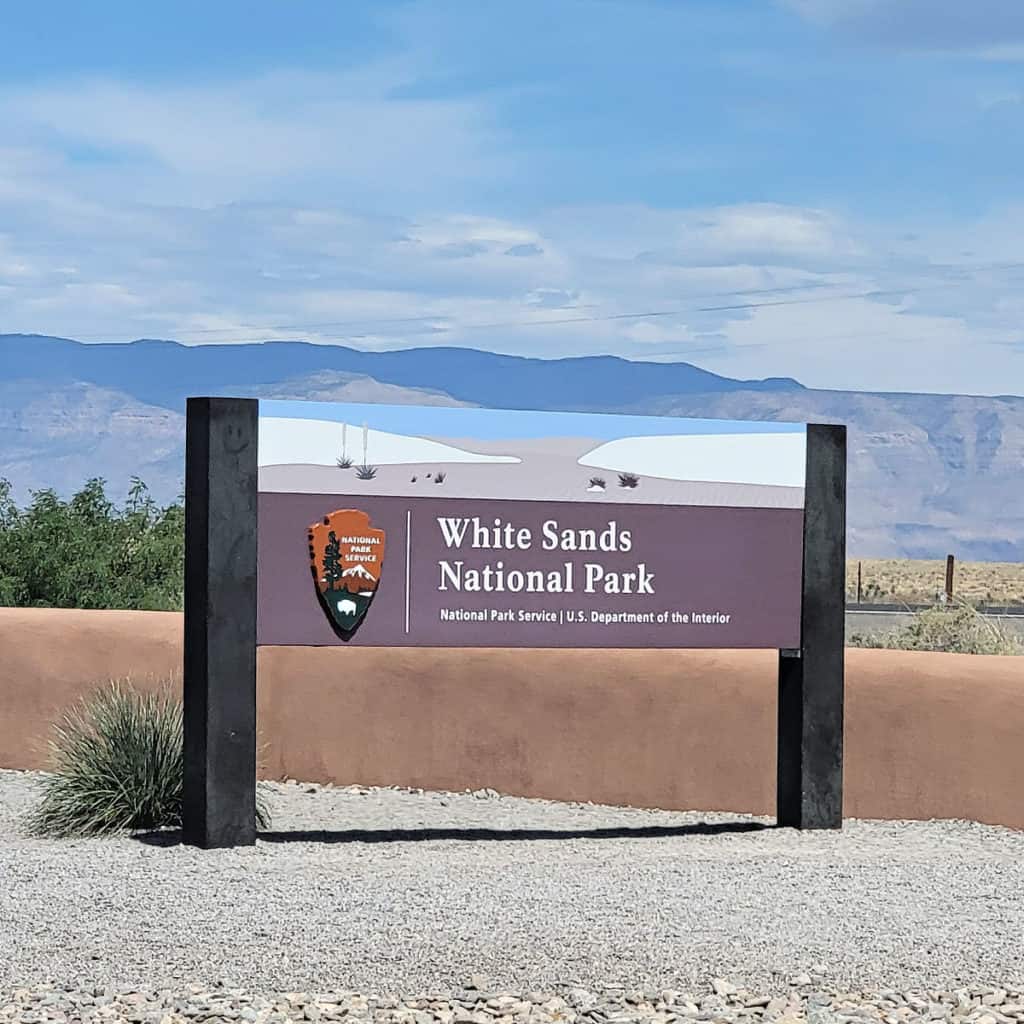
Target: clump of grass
628, 480
413, 480
117, 763
597, 481
957, 629
344, 462
439, 478
365, 472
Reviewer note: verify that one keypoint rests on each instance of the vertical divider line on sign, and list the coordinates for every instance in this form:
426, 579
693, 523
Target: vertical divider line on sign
408, 559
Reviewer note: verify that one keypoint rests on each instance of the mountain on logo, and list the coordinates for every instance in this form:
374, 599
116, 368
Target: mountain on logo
360, 571
341, 545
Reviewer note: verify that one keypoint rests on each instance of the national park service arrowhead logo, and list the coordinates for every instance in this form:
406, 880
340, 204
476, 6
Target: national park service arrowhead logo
346, 555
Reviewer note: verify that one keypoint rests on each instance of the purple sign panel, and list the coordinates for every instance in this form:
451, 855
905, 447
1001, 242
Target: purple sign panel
486, 573
456, 527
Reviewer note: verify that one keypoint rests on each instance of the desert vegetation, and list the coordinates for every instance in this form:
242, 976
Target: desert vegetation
345, 461
365, 472
86, 552
117, 761
957, 629
913, 582
628, 480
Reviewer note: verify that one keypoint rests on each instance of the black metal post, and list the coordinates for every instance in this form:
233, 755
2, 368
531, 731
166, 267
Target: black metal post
811, 684
219, 795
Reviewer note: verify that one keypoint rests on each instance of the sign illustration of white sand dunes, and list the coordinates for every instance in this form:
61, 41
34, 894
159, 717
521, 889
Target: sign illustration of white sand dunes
293, 441
771, 459
316, 448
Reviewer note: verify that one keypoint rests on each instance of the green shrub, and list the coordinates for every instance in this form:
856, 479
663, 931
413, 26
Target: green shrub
116, 766
87, 553
960, 629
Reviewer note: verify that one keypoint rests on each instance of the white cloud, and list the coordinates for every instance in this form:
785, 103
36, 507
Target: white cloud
880, 348
216, 143
1010, 53
757, 233
759, 291
1006, 98
180, 220
989, 29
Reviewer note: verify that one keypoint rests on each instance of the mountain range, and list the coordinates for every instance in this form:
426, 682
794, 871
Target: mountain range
928, 474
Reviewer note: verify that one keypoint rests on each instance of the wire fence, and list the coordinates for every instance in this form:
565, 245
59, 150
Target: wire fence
898, 584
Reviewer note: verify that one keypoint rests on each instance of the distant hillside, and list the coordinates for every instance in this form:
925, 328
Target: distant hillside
929, 474
164, 373
58, 435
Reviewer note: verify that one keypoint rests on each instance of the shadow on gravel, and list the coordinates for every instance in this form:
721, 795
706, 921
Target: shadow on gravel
172, 837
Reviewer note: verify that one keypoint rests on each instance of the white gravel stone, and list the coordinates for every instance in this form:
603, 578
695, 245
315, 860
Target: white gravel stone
395, 892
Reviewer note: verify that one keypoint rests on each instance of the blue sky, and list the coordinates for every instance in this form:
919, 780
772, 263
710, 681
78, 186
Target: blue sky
824, 189
504, 424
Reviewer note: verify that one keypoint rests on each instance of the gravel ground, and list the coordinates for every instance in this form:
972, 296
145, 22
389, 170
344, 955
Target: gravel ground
476, 1003
398, 892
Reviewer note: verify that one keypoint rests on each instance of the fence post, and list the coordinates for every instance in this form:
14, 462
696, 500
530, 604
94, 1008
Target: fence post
860, 593
949, 579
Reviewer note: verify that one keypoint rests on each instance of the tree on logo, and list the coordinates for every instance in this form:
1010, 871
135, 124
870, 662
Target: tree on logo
332, 561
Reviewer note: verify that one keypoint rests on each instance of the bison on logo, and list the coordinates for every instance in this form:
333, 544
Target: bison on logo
346, 555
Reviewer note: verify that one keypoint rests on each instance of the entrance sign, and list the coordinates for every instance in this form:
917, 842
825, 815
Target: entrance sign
528, 529
416, 526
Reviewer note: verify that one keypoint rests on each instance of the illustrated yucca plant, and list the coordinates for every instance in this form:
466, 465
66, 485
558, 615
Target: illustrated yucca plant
344, 462
628, 480
366, 472
597, 481
439, 478
116, 766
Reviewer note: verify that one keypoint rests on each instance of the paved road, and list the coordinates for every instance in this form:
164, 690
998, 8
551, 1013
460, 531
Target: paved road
862, 621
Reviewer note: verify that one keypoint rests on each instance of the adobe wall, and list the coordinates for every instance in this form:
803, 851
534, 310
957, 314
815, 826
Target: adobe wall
927, 735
